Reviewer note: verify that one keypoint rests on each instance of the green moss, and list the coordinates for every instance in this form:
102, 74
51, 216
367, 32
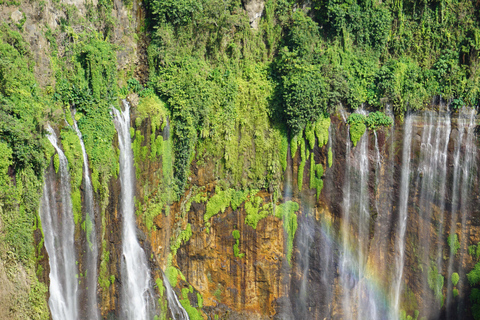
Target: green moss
284, 151
435, 282
218, 202
193, 313
236, 249
330, 157
238, 197
161, 288
453, 243
286, 212
183, 236
301, 167
172, 274
310, 135
294, 145
321, 130
56, 162
199, 300
103, 275
357, 127
455, 292
87, 227
316, 174
455, 278
256, 212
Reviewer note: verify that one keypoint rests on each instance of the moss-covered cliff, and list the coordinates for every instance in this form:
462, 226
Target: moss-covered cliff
242, 117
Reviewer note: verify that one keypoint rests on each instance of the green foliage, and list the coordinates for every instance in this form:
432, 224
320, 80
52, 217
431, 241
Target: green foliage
172, 274
310, 135
316, 174
321, 129
294, 145
286, 212
330, 157
474, 275
183, 236
455, 278
89, 85
453, 243
284, 151
218, 202
103, 275
377, 119
475, 300
435, 282
301, 167
256, 212
455, 292
357, 125
236, 249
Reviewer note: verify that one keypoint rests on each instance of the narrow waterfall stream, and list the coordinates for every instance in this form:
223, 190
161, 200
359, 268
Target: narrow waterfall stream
91, 308
355, 234
58, 228
137, 300
402, 214
176, 309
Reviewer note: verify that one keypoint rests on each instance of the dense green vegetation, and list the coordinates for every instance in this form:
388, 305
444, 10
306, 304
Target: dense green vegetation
228, 95
22, 153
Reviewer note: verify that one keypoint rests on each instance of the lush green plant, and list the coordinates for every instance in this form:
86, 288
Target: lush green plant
256, 211
455, 278
356, 121
453, 243
377, 119
455, 292
330, 157
286, 212
236, 249
435, 282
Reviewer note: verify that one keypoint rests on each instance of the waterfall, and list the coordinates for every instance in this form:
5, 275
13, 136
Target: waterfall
91, 309
356, 218
176, 309
402, 214
136, 295
463, 163
58, 228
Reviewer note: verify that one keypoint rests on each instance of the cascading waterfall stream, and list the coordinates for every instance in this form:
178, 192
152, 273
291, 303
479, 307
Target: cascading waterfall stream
92, 311
402, 215
58, 228
356, 222
429, 189
464, 162
137, 301
176, 309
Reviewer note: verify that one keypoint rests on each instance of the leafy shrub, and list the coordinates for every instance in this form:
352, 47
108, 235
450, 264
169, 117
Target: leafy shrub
286, 211
453, 243
377, 119
435, 282
357, 125
455, 278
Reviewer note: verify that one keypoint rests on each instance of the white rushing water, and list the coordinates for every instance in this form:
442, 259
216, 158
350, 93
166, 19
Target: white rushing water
355, 234
176, 309
402, 214
464, 162
58, 228
137, 301
91, 310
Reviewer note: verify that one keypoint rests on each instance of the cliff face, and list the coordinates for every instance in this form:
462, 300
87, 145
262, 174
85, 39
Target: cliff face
248, 253
315, 285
